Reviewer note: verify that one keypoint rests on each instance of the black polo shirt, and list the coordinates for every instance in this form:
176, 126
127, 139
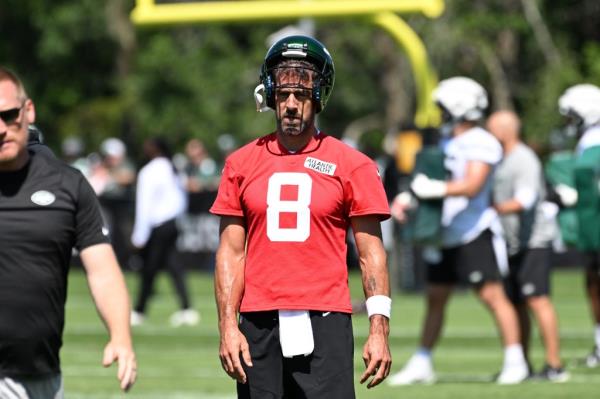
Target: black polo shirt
46, 209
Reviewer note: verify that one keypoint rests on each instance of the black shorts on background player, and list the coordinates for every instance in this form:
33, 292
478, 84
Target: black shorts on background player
529, 275
330, 365
473, 263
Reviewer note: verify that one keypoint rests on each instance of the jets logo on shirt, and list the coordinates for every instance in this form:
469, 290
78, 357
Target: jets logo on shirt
315, 164
43, 198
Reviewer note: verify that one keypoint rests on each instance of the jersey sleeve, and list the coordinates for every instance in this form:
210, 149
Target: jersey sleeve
483, 148
228, 202
365, 194
89, 225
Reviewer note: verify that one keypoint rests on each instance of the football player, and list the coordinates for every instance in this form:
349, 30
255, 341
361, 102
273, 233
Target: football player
286, 201
580, 104
473, 250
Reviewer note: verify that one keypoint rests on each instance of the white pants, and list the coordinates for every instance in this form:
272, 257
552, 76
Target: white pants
50, 387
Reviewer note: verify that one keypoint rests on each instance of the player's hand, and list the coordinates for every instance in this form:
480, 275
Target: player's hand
232, 344
401, 204
376, 352
127, 365
568, 195
426, 188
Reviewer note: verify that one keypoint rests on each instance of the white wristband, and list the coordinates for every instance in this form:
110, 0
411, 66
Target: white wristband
379, 304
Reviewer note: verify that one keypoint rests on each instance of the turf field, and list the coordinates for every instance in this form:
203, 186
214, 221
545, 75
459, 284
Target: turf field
183, 363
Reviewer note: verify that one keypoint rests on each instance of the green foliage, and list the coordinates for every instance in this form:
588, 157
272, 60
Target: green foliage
197, 81
591, 62
206, 87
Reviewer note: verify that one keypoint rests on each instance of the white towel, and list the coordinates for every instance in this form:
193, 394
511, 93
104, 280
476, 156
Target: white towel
295, 333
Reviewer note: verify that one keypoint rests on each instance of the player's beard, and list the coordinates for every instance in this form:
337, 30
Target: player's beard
293, 124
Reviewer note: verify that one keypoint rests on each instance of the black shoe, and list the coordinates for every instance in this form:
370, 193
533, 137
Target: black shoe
553, 374
593, 359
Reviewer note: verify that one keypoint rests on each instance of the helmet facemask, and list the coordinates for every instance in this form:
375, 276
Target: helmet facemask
574, 125
297, 78
448, 122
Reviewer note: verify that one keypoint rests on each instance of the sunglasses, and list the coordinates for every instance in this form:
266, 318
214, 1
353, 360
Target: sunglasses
11, 115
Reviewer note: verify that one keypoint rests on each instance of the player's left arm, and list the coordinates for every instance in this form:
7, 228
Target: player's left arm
110, 295
373, 264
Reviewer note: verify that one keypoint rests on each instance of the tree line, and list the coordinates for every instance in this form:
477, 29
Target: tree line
93, 74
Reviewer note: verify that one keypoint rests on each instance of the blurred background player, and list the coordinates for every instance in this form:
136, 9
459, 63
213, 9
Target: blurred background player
119, 172
286, 201
580, 104
473, 250
201, 170
47, 208
160, 199
529, 225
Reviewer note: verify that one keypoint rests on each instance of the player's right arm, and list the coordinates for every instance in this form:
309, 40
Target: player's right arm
475, 177
229, 287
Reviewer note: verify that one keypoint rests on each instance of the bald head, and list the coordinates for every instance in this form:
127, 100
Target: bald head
505, 125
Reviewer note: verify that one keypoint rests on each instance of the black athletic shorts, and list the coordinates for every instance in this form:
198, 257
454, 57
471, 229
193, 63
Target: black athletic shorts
473, 263
327, 373
529, 275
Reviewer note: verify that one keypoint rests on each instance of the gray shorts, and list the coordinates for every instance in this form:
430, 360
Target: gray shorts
50, 387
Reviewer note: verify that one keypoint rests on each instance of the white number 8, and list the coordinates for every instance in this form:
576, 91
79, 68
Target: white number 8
275, 206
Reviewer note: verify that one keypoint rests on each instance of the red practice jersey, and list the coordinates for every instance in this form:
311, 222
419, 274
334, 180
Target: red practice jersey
297, 209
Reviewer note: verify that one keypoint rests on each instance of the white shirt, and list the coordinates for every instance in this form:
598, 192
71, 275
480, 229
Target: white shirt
463, 218
160, 197
590, 138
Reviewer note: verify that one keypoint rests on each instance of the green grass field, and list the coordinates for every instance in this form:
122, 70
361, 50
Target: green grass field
183, 363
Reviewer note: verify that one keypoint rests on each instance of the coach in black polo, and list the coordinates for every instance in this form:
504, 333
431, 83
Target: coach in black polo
46, 209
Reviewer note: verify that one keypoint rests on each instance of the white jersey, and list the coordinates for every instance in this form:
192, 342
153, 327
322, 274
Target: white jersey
590, 138
463, 218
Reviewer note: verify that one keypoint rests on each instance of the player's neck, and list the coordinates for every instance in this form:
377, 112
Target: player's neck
509, 146
294, 143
